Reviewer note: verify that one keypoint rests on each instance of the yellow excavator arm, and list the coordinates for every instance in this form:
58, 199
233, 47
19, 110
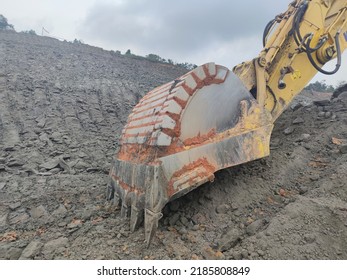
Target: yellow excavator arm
308, 35
211, 118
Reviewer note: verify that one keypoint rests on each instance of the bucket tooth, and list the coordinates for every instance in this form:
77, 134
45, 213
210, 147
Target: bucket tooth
136, 218
151, 224
110, 192
116, 200
125, 211
125, 208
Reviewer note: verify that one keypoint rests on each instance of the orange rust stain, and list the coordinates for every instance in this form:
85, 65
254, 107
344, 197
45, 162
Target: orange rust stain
191, 166
126, 187
176, 132
200, 83
180, 102
143, 125
207, 73
145, 102
150, 115
208, 170
157, 91
189, 90
147, 109
218, 81
137, 135
200, 138
175, 147
143, 153
175, 117
135, 153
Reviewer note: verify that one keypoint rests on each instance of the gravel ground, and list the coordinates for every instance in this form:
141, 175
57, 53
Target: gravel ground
62, 108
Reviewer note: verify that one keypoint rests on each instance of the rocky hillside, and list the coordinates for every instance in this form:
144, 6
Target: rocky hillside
62, 108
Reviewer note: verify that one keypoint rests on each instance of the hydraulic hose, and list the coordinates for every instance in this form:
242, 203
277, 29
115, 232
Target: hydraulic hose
339, 57
305, 46
267, 29
298, 17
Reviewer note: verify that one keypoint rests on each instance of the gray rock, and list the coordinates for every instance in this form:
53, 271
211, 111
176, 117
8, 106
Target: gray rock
261, 253
256, 226
3, 251
289, 130
45, 139
2, 185
321, 114
254, 256
64, 165
101, 229
19, 217
15, 163
2, 160
52, 245
56, 153
309, 238
13, 253
343, 96
244, 254
92, 169
41, 123
295, 106
14, 206
82, 155
3, 222
81, 165
87, 214
55, 171
184, 221
73, 226
195, 228
2, 168
314, 177
275, 143
9, 251
324, 102
174, 219
237, 255
343, 149
53, 163
60, 211
230, 239
30, 251
38, 212
328, 115
303, 138
55, 247
222, 209
298, 120
303, 190
9, 148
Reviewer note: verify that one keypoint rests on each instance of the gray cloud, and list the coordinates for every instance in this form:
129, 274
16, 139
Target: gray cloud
180, 27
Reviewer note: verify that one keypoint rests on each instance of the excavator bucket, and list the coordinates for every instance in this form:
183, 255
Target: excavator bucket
179, 135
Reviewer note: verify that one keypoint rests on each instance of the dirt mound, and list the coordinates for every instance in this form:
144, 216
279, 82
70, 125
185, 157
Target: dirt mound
341, 89
62, 108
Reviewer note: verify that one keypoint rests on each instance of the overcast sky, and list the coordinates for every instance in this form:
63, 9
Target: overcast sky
195, 31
